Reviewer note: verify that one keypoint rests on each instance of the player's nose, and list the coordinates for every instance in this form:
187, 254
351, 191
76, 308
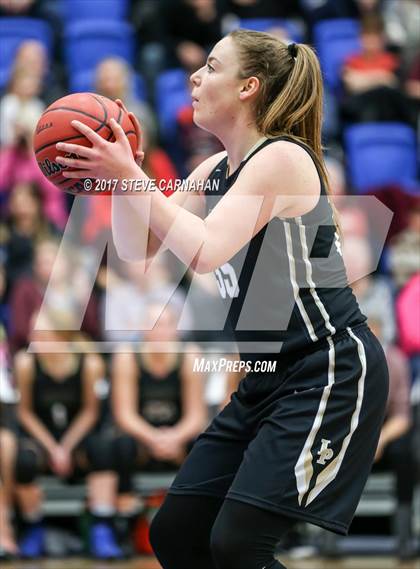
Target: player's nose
195, 78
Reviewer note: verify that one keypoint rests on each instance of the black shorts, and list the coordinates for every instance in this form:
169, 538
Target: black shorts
300, 441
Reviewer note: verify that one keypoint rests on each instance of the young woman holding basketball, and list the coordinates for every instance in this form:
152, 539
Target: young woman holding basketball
296, 444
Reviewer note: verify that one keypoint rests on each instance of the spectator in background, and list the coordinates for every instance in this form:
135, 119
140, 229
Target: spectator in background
408, 315
8, 436
20, 8
191, 26
395, 449
65, 295
25, 225
371, 81
404, 250
412, 84
18, 165
373, 294
114, 79
32, 56
402, 23
125, 306
412, 88
21, 98
158, 401
58, 409
316, 10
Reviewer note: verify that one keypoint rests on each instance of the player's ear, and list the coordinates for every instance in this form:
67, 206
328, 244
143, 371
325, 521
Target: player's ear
249, 88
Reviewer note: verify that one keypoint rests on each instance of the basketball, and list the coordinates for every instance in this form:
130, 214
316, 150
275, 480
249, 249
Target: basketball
55, 126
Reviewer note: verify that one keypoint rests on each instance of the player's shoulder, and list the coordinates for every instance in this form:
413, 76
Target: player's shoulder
282, 161
284, 168
281, 152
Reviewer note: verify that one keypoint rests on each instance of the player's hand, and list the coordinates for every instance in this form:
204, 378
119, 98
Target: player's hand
139, 157
60, 461
104, 160
167, 445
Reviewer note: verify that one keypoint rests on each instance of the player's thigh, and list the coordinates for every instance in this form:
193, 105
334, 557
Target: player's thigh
216, 455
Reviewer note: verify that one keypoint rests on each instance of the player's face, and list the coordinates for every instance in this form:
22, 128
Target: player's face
216, 87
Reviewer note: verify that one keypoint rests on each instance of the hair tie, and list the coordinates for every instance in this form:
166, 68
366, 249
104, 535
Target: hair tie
292, 48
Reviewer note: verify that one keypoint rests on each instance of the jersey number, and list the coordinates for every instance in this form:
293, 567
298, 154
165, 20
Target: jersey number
227, 281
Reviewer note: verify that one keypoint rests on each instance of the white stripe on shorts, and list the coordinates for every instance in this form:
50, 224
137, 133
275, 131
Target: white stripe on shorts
304, 469
330, 472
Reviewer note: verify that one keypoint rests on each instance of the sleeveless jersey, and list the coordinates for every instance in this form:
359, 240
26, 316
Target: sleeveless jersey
56, 402
160, 398
287, 288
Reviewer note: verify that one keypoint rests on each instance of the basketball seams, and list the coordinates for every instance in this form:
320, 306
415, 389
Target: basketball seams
105, 110
73, 111
80, 112
45, 151
106, 116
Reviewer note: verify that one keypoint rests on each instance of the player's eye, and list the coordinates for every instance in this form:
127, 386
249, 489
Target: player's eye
210, 68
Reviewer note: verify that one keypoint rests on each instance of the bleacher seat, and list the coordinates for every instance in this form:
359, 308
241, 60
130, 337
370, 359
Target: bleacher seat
73, 10
335, 40
13, 31
87, 42
380, 154
264, 24
84, 81
171, 95
70, 499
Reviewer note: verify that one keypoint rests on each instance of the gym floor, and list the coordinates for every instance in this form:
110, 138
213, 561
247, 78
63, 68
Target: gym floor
149, 563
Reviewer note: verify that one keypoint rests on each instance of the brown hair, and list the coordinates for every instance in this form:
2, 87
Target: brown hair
372, 23
291, 90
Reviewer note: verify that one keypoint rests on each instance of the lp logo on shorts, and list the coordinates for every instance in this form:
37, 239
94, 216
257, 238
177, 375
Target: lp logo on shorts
325, 453
227, 281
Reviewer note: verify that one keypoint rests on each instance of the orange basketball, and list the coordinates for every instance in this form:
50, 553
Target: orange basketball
55, 126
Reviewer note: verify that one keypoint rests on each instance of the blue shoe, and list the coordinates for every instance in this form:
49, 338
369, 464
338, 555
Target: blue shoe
31, 546
102, 542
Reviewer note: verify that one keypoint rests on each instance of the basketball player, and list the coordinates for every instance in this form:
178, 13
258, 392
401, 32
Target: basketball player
296, 444
58, 411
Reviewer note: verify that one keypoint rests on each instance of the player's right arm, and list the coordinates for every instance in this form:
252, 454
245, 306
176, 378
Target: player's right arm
130, 234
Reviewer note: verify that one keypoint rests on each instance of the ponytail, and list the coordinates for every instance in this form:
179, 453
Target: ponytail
290, 101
